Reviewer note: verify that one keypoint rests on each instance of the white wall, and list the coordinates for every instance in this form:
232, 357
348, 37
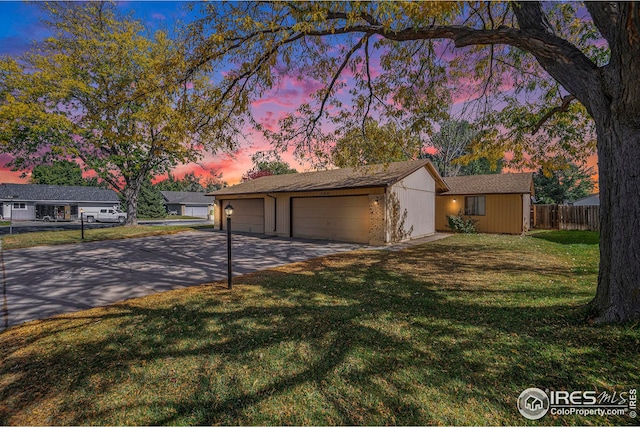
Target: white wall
417, 196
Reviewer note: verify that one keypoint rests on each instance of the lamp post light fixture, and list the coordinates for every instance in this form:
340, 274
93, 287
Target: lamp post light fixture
228, 210
82, 223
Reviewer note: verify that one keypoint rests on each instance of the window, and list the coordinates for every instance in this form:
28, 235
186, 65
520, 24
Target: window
20, 206
474, 205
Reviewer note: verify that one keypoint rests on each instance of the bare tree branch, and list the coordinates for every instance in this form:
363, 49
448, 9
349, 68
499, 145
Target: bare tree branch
336, 75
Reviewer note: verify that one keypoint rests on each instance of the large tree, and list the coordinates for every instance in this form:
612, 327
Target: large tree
103, 90
550, 72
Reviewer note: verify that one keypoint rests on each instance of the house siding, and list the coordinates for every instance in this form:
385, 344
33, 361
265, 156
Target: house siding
416, 195
504, 213
19, 214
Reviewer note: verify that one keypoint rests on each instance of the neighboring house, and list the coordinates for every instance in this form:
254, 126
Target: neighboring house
500, 203
592, 200
188, 203
55, 202
375, 204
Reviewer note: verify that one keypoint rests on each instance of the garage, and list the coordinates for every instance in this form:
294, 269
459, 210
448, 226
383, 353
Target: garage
371, 205
340, 218
248, 215
196, 211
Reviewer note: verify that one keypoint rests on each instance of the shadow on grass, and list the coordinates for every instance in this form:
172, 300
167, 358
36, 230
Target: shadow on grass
372, 338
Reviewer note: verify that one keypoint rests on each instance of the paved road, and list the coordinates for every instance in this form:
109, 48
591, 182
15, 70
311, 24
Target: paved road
45, 281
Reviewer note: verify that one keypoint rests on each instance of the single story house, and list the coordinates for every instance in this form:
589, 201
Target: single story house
374, 204
592, 200
188, 203
499, 203
55, 202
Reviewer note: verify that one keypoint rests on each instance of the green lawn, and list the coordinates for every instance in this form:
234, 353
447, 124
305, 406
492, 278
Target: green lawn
42, 238
445, 333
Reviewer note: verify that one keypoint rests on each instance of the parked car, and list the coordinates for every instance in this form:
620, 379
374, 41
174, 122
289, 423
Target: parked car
106, 215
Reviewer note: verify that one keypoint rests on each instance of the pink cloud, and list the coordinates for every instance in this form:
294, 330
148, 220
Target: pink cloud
290, 92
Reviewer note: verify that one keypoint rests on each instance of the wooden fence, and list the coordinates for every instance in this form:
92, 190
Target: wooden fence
562, 217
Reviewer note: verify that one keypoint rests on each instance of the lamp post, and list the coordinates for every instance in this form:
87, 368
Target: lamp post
82, 223
11, 198
228, 210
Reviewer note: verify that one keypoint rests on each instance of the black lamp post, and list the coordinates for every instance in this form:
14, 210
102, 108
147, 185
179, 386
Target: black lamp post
82, 223
12, 198
228, 210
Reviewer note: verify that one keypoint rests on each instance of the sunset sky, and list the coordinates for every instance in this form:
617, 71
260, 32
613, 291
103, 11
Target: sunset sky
20, 26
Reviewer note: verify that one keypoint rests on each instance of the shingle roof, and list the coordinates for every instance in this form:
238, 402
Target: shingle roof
592, 200
362, 177
186, 197
59, 193
507, 183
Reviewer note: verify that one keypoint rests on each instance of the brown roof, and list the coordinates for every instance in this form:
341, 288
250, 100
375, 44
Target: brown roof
490, 184
334, 179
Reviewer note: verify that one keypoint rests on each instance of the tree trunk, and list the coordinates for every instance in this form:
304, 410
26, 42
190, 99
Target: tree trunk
618, 295
131, 193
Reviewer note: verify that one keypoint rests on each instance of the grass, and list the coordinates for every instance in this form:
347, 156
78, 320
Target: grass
170, 217
44, 238
450, 332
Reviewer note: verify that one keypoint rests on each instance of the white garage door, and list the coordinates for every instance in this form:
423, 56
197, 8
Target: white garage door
196, 211
343, 218
248, 215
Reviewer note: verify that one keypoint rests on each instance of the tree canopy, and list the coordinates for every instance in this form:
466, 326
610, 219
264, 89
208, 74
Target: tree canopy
566, 184
372, 144
191, 182
544, 77
102, 90
62, 172
267, 164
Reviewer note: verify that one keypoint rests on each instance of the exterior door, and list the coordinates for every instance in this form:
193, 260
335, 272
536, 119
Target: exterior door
342, 218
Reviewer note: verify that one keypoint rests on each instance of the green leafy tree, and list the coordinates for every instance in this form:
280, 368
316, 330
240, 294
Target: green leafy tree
267, 164
62, 172
151, 202
568, 183
191, 182
102, 90
482, 166
373, 144
559, 73
457, 151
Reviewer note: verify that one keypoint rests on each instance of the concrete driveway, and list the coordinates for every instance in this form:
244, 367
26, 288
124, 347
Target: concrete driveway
44, 281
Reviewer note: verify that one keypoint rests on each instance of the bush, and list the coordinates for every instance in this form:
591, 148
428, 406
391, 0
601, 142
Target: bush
459, 224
